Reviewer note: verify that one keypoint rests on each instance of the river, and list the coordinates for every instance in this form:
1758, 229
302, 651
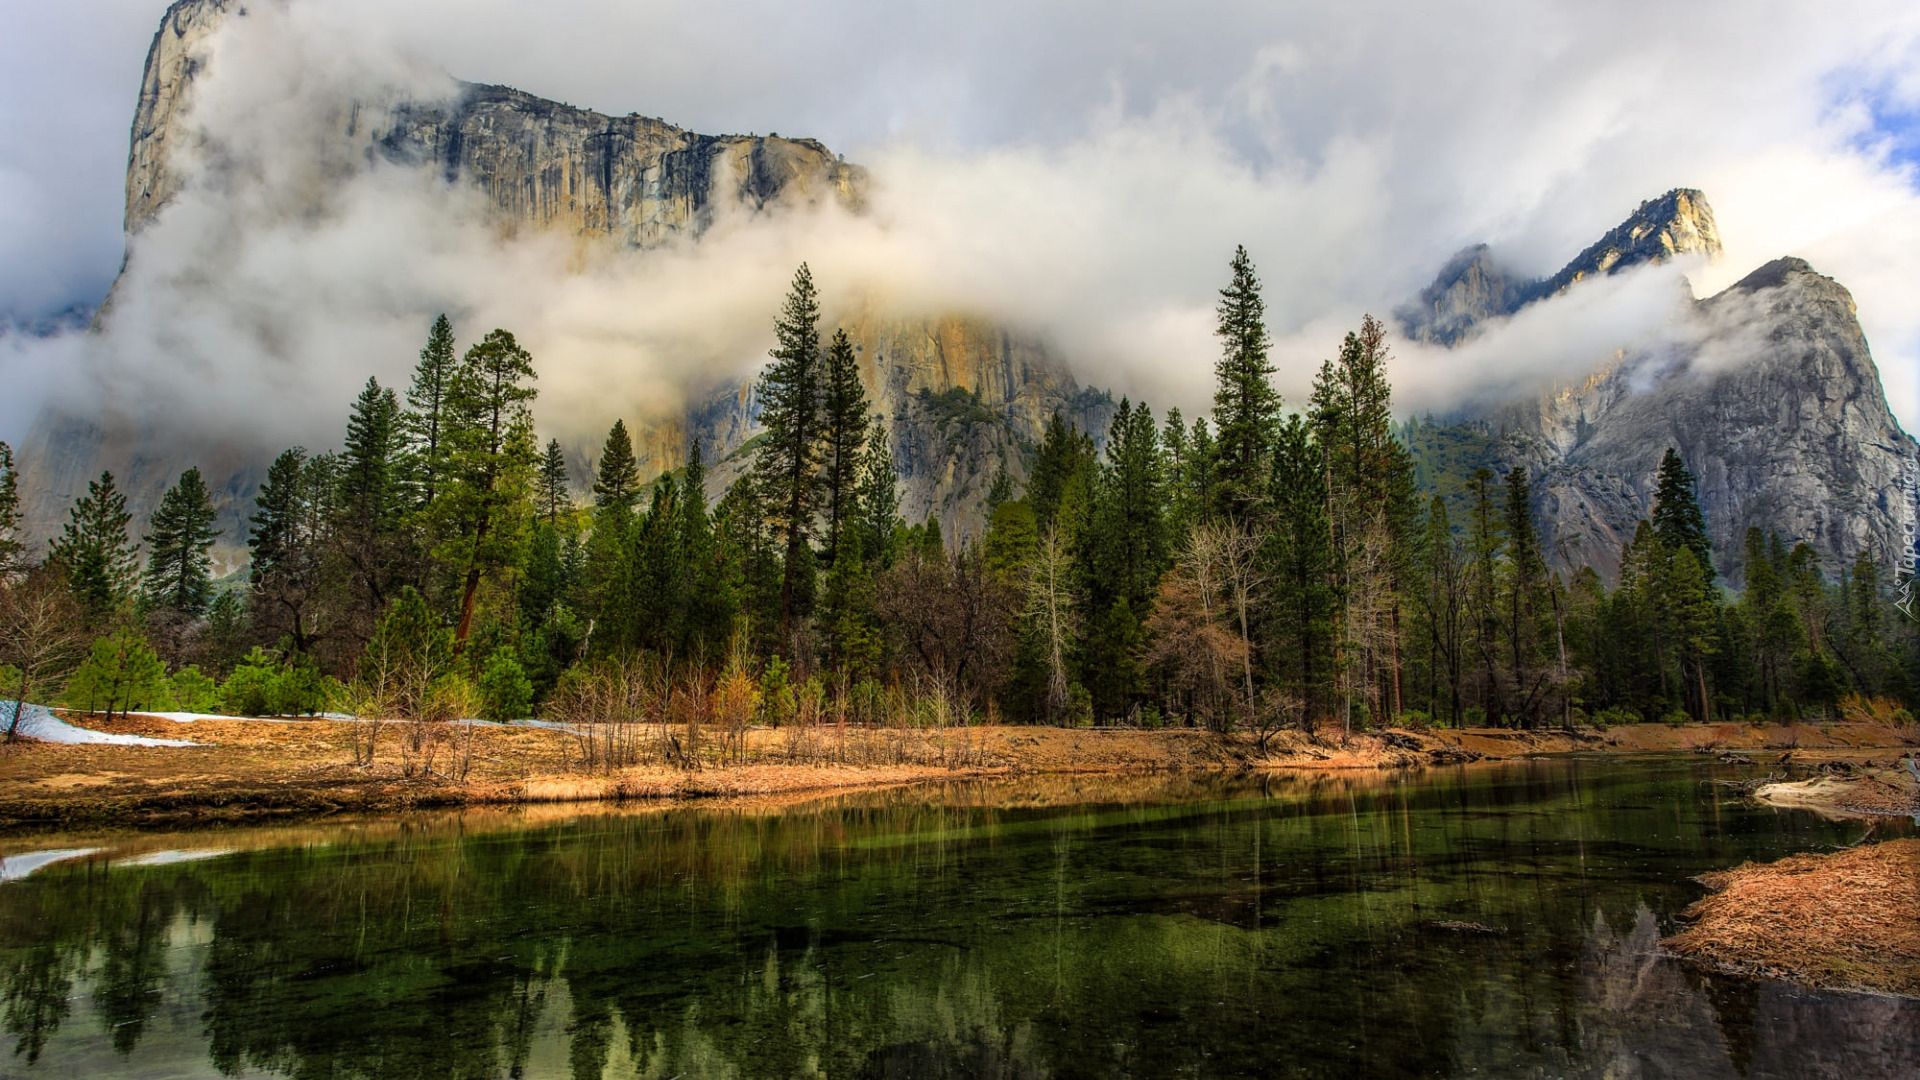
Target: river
1481, 921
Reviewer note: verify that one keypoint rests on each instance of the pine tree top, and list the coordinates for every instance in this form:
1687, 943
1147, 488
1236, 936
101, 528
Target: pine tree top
617, 481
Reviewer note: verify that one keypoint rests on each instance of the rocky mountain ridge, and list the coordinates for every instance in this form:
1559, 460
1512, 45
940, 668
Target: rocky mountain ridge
1473, 289
632, 182
1769, 392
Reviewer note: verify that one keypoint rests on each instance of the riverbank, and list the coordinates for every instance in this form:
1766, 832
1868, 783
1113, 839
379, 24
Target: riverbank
241, 770
1845, 921
1850, 790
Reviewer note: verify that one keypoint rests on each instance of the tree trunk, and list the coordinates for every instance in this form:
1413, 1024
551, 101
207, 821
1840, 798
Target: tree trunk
467, 594
1394, 623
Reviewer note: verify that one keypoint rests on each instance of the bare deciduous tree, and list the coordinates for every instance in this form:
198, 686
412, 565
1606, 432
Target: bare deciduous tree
1188, 634
42, 636
1050, 606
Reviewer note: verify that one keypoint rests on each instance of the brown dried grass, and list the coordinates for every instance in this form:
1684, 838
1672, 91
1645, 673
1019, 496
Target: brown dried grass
1846, 921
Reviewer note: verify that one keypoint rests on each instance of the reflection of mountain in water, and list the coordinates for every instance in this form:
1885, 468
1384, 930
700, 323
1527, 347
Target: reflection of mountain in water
1277, 930
1647, 1015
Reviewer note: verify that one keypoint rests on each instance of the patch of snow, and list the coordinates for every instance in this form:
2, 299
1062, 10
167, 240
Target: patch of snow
170, 857
15, 867
37, 723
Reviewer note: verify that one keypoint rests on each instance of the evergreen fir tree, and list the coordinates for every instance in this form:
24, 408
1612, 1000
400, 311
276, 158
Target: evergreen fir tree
426, 417
617, 481
1299, 645
369, 502
789, 458
555, 498
844, 415
1369, 487
491, 460
1486, 540
1060, 487
879, 499
1127, 546
12, 551
1690, 616
288, 541
1000, 491
1676, 514
94, 550
709, 583
1245, 405
179, 537
1525, 584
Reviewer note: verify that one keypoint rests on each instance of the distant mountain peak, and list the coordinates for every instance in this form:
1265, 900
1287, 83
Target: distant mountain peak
1472, 289
1675, 224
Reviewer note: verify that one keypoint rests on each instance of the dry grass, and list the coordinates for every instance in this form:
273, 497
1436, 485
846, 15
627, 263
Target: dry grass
254, 769
1848, 921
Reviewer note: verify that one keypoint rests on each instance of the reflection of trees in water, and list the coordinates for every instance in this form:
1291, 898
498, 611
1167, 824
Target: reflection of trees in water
1240, 937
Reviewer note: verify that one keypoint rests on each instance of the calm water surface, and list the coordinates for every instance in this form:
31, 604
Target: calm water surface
1091, 928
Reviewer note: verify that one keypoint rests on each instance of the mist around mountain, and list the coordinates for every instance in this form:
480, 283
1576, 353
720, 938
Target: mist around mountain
1701, 518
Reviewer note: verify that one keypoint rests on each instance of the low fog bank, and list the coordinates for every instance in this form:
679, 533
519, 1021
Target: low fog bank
280, 278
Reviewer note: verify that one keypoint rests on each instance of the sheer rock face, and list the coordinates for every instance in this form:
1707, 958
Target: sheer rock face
1771, 397
631, 181
1472, 290
544, 165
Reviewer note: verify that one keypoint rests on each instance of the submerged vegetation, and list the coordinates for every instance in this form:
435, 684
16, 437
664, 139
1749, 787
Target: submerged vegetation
1309, 565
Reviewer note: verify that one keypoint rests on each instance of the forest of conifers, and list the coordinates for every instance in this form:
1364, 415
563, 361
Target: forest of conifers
1274, 567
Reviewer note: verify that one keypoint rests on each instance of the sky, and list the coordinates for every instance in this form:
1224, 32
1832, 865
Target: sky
1082, 170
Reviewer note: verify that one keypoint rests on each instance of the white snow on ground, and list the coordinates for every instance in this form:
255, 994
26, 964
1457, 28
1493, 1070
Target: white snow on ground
15, 867
170, 857
37, 723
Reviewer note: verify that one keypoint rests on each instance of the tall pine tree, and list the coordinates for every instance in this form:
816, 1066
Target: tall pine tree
789, 459
288, 540
1245, 405
370, 504
95, 552
12, 551
617, 480
179, 537
426, 418
487, 497
845, 418
1677, 520
555, 498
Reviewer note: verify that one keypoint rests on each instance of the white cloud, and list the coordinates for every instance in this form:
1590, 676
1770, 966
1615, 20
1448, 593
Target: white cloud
1079, 169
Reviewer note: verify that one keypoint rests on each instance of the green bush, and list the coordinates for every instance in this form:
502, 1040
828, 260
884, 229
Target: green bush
263, 685
194, 691
299, 689
776, 692
868, 702
504, 690
121, 672
1614, 716
249, 690
1079, 707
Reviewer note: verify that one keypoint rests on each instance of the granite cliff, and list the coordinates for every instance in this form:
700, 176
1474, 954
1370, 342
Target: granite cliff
960, 394
1768, 391
1472, 289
